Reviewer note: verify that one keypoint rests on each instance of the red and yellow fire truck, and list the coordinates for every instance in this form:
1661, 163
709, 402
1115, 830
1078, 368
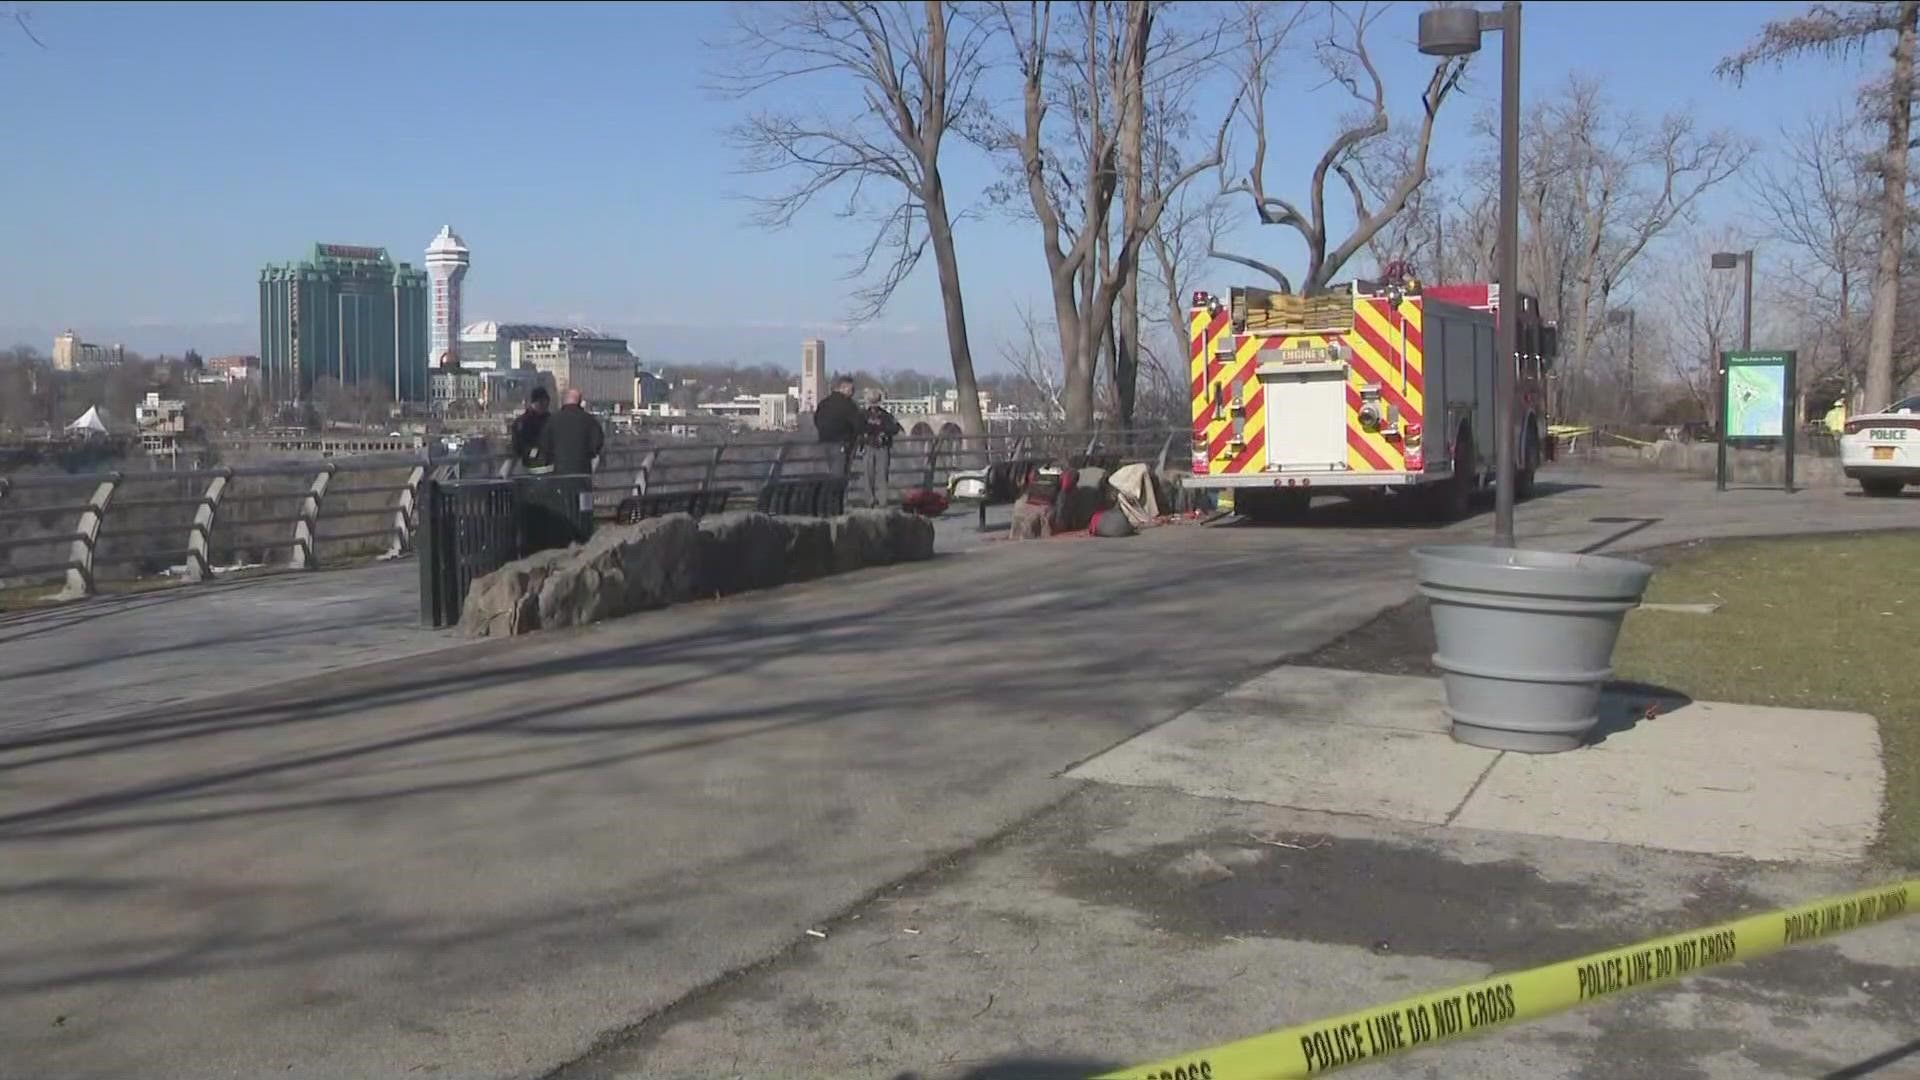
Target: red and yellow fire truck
1367, 388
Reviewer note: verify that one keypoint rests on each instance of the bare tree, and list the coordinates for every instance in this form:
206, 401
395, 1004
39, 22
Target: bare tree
1414, 237
1083, 97
1816, 202
1829, 31
22, 19
1697, 307
1040, 377
1344, 53
1080, 136
1599, 186
917, 67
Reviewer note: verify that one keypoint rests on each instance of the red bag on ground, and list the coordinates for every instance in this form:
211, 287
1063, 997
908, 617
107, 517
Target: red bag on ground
927, 502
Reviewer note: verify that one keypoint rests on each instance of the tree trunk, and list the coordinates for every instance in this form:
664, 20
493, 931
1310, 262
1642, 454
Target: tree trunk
1893, 213
1076, 390
1846, 342
947, 262
1132, 160
1126, 350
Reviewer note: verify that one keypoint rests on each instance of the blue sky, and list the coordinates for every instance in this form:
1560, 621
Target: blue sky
159, 154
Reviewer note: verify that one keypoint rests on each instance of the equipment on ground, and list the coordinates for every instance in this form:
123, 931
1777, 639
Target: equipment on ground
1369, 388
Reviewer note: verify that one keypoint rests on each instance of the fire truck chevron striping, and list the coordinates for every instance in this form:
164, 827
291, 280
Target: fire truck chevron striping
1342, 390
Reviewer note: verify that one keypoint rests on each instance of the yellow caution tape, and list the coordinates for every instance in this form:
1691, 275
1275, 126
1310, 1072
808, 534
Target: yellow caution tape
1391, 1030
1625, 439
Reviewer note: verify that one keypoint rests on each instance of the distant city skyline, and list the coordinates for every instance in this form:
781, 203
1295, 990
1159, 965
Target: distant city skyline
194, 180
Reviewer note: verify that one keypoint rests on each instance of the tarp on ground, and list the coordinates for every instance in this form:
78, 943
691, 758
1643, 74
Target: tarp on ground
1132, 487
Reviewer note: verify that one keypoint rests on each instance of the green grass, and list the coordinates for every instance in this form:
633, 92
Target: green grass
1830, 623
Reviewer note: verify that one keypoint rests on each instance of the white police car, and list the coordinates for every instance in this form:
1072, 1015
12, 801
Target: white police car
1882, 450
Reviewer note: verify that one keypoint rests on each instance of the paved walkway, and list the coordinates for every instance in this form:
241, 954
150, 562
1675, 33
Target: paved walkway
119, 655
488, 860
1702, 776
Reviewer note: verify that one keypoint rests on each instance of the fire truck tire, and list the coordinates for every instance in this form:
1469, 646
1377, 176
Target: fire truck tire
1452, 498
1529, 465
1271, 507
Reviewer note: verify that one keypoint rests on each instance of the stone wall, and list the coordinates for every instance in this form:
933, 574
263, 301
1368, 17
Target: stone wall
1743, 466
671, 560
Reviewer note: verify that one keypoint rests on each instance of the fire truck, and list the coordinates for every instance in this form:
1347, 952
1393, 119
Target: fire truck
1372, 388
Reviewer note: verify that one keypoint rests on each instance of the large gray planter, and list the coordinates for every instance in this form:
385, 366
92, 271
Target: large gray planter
1524, 639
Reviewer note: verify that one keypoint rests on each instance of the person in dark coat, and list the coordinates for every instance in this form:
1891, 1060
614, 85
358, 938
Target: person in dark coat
841, 423
878, 427
571, 438
526, 428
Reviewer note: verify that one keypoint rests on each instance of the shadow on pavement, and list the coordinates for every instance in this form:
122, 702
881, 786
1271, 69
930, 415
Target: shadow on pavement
1877, 1062
1024, 1069
1624, 705
629, 699
1334, 511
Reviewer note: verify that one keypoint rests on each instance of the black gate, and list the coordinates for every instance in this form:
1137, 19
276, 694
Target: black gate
470, 528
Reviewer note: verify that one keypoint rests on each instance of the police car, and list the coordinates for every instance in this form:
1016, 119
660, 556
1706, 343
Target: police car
1882, 450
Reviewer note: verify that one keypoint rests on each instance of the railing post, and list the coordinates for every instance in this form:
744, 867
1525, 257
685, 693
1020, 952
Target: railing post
86, 534
713, 467
779, 463
200, 536
1166, 449
643, 473
306, 550
403, 512
933, 459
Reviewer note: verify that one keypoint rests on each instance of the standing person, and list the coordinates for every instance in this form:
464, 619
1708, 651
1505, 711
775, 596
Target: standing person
841, 425
526, 429
878, 429
572, 438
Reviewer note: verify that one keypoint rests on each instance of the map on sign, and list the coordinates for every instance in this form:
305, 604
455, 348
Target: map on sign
1756, 400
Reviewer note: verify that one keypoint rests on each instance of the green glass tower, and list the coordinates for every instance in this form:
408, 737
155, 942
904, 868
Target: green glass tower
347, 313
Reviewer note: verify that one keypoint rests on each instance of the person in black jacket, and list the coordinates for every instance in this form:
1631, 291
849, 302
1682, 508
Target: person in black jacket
571, 438
841, 423
878, 429
526, 429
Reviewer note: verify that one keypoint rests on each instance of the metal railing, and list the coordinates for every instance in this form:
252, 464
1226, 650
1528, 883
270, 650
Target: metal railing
74, 528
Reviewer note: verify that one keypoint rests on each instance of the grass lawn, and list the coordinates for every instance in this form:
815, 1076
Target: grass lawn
1829, 622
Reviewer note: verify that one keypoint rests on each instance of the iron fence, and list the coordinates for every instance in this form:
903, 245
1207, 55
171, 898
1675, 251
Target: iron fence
81, 529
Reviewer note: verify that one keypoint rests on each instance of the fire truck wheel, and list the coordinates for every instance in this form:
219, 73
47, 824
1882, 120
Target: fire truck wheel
1452, 498
1529, 464
1271, 507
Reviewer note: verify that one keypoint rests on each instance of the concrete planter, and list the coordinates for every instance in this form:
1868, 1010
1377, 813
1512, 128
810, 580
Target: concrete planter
1524, 640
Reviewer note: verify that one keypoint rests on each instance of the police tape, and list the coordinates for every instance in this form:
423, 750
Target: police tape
1390, 1030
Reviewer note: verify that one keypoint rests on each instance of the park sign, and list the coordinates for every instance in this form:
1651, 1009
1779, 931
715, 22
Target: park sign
1757, 396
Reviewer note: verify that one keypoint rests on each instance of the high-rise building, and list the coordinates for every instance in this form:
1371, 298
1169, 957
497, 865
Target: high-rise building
813, 374
488, 346
72, 354
447, 266
599, 366
347, 313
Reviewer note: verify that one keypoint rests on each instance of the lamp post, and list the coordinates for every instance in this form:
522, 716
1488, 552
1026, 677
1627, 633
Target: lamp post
1454, 31
1727, 260
1616, 317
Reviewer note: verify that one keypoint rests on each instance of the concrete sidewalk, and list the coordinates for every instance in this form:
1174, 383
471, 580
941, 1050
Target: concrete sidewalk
1131, 924
120, 655
479, 863
1744, 780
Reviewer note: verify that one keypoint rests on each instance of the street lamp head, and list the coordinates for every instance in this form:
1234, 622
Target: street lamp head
1449, 31
1725, 260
